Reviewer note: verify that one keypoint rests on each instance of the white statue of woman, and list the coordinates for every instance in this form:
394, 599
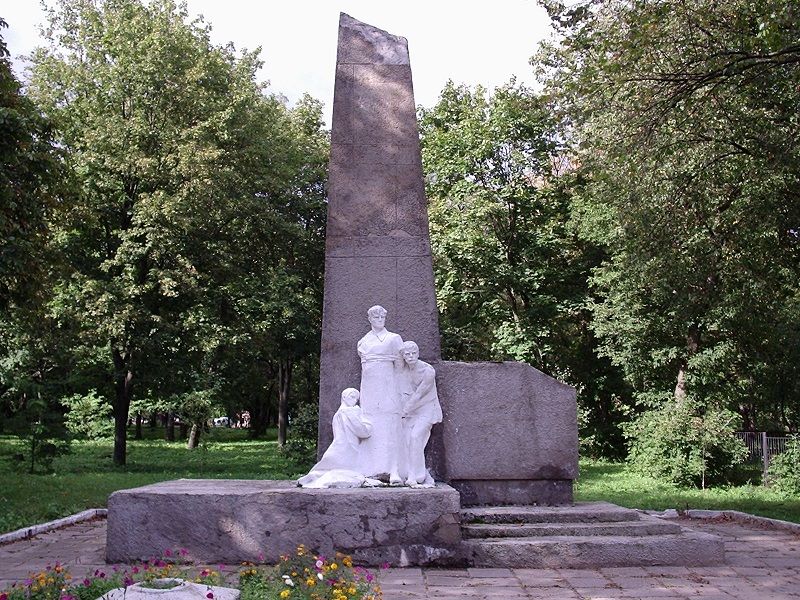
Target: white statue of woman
339, 466
380, 356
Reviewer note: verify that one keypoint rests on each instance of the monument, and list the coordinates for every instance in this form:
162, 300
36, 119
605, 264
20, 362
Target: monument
503, 436
509, 432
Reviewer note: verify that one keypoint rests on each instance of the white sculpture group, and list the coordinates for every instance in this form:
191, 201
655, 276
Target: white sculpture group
384, 438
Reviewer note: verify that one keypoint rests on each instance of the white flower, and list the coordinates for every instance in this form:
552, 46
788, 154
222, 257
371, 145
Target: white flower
288, 581
319, 576
319, 564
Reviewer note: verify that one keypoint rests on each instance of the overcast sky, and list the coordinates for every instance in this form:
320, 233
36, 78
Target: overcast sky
481, 42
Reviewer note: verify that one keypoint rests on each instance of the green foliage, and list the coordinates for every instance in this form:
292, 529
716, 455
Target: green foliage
42, 431
784, 470
685, 445
618, 483
511, 274
301, 447
681, 125
29, 177
180, 166
89, 415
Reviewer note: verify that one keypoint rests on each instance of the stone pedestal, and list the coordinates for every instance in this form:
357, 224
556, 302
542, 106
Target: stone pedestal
509, 434
231, 521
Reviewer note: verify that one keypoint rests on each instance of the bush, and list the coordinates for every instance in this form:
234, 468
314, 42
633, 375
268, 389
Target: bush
301, 442
783, 474
685, 445
89, 416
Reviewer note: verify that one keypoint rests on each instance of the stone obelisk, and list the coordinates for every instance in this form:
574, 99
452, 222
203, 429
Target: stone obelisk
378, 246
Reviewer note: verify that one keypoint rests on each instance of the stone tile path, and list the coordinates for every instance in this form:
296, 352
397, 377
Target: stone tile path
761, 564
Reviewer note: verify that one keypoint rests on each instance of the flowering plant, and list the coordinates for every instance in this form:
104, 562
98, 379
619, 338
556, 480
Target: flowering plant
306, 576
301, 576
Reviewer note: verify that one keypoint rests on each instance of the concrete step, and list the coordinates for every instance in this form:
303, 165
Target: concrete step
582, 512
688, 548
648, 526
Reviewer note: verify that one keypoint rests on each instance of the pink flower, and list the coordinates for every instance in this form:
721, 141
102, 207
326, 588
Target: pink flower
210, 595
183, 552
385, 565
260, 557
86, 582
370, 577
204, 573
167, 552
135, 570
3, 596
127, 581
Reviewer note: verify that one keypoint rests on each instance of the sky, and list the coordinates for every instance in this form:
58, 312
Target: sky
472, 43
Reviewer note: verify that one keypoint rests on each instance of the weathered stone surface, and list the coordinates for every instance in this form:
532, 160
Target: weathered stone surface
582, 536
690, 548
509, 434
377, 245
237, 520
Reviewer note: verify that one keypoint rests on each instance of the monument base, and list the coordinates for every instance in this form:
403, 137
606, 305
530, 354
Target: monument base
543, 492
230, 521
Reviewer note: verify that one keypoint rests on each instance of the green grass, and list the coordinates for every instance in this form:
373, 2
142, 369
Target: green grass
85, 477
614, 482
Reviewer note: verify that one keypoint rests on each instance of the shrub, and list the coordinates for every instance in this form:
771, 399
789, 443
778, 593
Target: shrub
89, 416
685, 445
301, 443
783, 474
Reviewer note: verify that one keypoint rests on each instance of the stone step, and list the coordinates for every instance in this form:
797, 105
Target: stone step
689, 548
649, 526
583, 512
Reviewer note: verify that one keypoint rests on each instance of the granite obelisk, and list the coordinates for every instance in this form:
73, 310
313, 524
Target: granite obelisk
378, 246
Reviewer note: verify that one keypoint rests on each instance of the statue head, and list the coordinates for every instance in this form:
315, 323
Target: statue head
350, 396
377, 316
410, 352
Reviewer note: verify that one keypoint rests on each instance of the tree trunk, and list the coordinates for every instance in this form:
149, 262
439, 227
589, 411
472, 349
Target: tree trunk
138, 434
153, 419
169, 430
284, 385
123, 390
194, 436
692, 345
184, 428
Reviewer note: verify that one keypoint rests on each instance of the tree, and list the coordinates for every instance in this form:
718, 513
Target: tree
29, 176
511, 273
180, 164
683, 123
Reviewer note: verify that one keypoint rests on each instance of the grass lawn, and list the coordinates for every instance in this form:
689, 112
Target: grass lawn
613, 482
85, 477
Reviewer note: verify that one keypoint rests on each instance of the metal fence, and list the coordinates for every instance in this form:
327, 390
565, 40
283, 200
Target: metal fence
762, 447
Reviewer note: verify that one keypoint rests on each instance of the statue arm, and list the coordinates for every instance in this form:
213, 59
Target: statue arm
422, 394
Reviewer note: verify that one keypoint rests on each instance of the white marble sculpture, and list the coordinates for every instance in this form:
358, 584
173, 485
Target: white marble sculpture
421, 410
384, 439
379, 351
338, 467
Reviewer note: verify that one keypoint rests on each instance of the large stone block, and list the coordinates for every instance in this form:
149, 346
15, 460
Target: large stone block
231, 521
509, 434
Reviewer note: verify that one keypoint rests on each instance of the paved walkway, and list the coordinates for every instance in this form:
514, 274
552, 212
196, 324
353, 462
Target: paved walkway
761, 564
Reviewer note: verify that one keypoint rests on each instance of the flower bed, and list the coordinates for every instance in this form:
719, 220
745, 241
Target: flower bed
301, 576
